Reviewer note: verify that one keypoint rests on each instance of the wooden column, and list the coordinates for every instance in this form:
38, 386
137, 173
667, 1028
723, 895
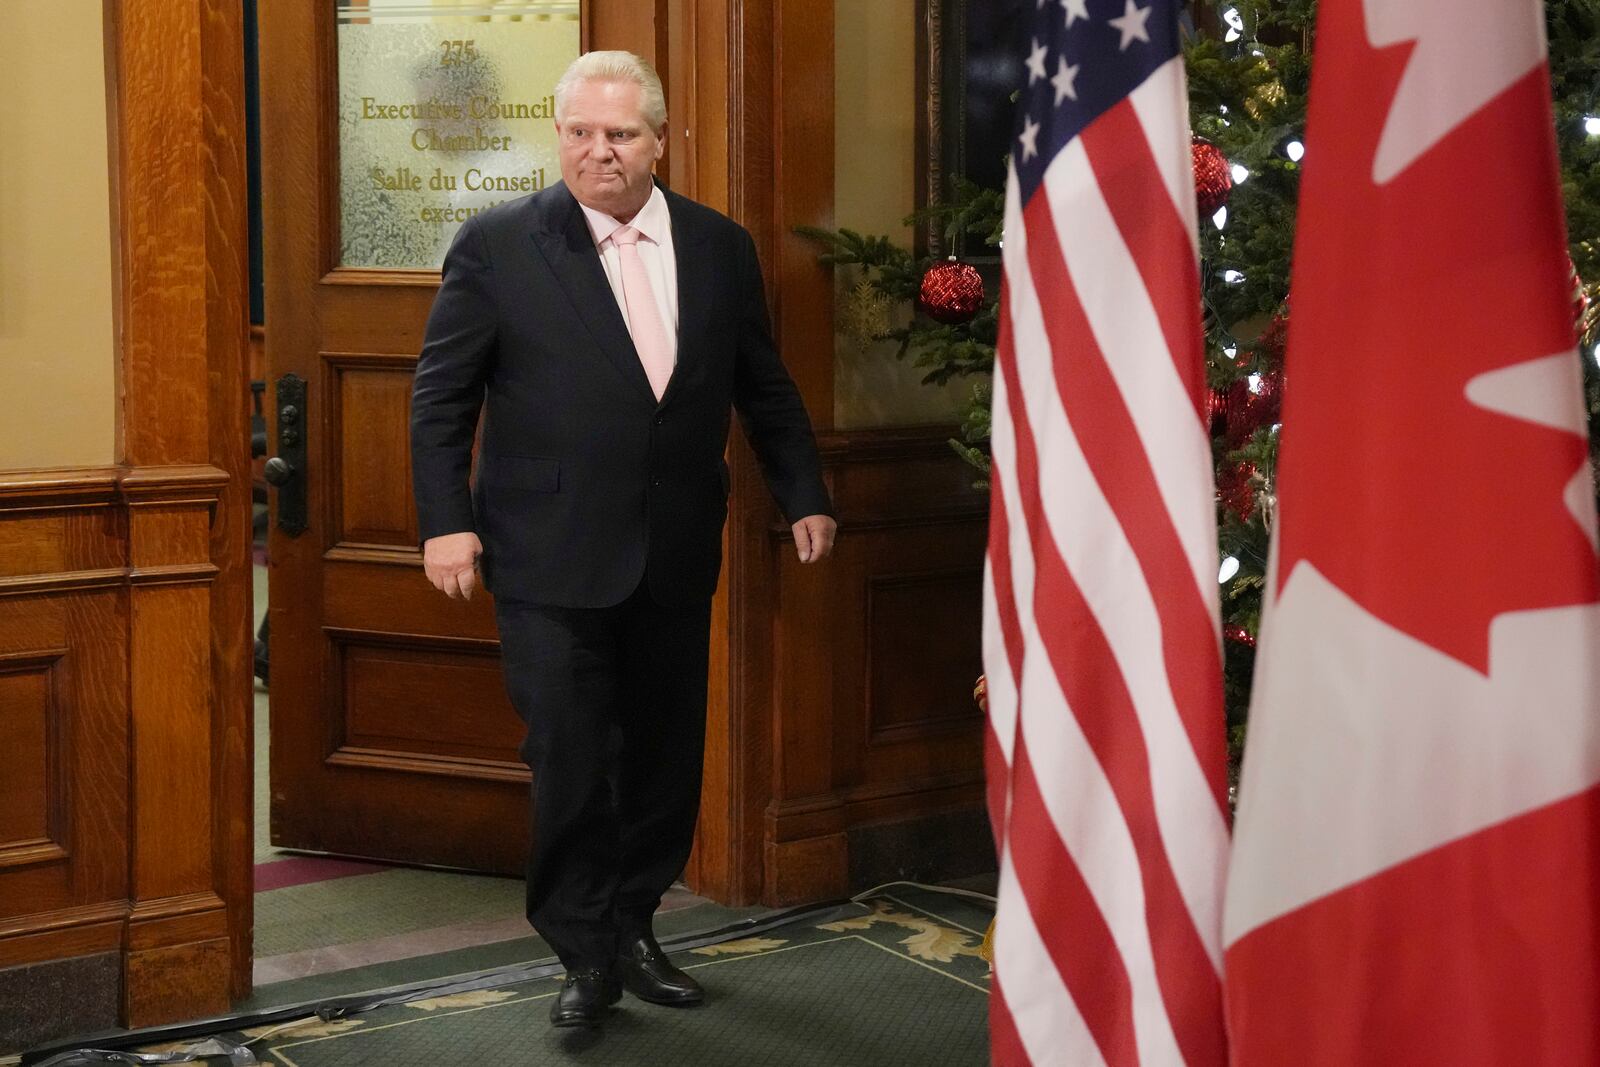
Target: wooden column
176, 71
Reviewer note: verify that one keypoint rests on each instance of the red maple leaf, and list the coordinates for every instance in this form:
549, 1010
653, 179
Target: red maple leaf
1434, 514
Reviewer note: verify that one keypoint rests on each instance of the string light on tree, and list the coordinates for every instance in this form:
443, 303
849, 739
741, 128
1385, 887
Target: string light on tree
1295, 150
1235, 22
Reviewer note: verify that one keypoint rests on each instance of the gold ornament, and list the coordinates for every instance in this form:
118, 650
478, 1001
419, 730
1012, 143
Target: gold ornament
1268, 94
865, 315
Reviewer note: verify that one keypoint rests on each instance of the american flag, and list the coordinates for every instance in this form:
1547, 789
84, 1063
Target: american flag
1101, 637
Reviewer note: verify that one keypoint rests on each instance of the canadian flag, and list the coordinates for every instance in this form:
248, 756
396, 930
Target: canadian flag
1416, 871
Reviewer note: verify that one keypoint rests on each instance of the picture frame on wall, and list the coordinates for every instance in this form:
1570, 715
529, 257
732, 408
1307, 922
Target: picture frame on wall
969, 67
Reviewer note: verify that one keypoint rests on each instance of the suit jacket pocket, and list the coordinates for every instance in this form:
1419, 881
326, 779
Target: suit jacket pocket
535, 474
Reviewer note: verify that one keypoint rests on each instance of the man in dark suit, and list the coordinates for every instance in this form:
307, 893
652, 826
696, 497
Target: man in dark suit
607, 328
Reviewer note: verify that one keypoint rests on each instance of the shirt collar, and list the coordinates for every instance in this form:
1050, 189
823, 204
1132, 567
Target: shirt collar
654, 221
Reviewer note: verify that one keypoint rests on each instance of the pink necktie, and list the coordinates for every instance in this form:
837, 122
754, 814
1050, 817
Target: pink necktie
650, 335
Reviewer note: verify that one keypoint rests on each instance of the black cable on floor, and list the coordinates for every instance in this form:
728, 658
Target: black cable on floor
110, 1049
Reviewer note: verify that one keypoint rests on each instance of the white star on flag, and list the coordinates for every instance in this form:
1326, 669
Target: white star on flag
1036, 61
1075, 9
1065, 82
1029, 138
1132, 24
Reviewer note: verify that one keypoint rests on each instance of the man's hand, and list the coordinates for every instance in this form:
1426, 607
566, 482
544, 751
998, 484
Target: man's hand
813, 537
451, 563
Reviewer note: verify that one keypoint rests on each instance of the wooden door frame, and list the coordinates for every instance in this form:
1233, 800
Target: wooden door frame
175, 96
744, 78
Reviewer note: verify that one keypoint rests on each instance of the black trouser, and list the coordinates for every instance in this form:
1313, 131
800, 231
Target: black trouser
615, 701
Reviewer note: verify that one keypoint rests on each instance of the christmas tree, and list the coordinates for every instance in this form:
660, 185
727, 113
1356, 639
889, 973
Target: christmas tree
1249, 69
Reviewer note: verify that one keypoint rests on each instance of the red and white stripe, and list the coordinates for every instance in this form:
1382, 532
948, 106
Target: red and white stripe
1101, 636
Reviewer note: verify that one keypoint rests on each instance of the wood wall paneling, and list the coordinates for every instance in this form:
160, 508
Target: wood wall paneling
802, 169
875, 659
906, 687
33, 812
161, 175
109, 726
63, 716
178, 960
33, 545
63, 934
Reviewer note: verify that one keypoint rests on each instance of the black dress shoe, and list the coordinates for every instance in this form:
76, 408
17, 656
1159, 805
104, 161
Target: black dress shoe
584, 998
649, 975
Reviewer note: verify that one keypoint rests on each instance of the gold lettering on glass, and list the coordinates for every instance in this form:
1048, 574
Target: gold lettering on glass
446, 108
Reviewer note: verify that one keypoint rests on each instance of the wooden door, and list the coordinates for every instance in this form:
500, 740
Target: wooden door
392, 736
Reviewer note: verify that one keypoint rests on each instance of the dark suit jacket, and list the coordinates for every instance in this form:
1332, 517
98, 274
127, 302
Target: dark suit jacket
585, 484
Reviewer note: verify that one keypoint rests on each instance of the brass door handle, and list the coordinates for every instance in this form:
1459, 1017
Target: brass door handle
278, 470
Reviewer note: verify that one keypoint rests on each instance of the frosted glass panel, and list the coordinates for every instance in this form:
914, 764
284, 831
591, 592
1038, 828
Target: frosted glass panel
445, 109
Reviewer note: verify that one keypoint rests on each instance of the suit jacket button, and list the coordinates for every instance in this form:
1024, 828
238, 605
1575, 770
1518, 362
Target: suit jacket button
655, 481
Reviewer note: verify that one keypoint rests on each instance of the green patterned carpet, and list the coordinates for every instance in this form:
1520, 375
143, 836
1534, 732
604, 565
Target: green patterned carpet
897, 981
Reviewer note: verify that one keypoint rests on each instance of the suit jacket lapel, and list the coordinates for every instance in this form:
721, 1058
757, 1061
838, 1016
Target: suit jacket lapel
694, 290
562, 237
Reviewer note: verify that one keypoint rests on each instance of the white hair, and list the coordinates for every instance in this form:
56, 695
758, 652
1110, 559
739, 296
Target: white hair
621, 67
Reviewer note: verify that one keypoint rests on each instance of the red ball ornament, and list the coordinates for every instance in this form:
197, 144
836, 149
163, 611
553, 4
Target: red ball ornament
1250, 409
1240, 635
1237, 490
1274, 340
1213, 176
952, 292
1269, 397
1217, 411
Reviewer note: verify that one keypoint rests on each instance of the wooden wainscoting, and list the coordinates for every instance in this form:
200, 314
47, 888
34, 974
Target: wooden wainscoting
873, 718
109, 782
844, 745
